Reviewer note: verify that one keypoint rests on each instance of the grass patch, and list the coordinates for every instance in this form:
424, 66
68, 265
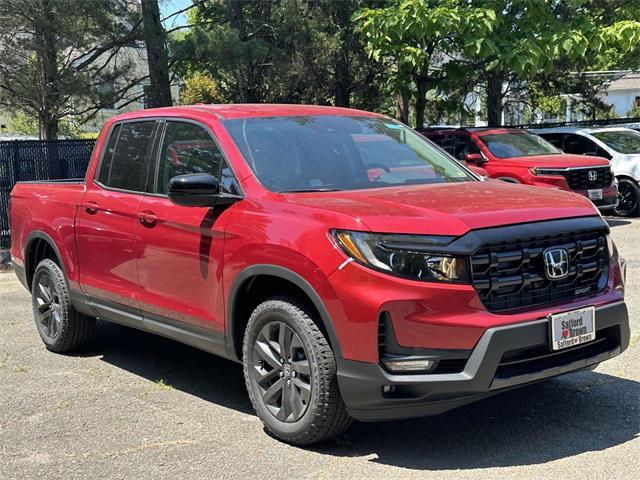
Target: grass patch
162, 385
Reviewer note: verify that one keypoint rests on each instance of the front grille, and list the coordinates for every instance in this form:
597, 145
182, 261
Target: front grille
534, 359
578, 179
511, 274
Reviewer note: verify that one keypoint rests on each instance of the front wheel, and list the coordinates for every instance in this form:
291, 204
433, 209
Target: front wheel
290, 373
628, 198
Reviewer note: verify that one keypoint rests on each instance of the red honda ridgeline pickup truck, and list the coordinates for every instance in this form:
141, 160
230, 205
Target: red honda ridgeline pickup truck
356, 270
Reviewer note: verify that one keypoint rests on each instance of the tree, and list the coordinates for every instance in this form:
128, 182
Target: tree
63, 58
533, 38
424, 38
502, 44
155, 41
199, 88
296, 51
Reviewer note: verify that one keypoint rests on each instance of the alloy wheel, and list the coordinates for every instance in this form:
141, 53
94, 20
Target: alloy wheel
48, 308
627, 200
281, 372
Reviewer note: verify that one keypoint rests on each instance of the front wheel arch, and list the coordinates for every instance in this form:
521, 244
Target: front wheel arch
240, 295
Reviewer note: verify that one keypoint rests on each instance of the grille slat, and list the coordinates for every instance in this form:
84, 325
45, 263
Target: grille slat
511, 274
579, 179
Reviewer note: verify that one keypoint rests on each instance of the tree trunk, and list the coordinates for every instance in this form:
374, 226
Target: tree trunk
154, 37
48, 126
47, 68
494, 98
342, 82
421, 99
402, 104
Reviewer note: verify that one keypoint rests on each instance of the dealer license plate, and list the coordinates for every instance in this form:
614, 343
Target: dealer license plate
595, 194
569, 329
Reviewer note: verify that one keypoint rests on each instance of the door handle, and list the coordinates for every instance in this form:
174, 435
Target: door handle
91, 208
147, 218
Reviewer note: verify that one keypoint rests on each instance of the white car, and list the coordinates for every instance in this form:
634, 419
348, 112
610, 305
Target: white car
620, 145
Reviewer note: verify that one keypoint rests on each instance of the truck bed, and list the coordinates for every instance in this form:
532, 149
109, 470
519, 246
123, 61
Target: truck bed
46, 208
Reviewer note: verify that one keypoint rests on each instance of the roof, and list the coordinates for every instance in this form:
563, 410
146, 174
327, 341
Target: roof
477, 130
627, 82
248, 110
538, 131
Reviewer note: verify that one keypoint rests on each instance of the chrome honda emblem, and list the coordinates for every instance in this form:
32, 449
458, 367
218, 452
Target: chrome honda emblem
593, 175
556, 262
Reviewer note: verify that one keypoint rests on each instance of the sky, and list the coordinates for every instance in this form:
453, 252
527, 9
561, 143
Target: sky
167, 7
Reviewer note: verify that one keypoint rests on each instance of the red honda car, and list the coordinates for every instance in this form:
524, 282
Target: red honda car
517, 156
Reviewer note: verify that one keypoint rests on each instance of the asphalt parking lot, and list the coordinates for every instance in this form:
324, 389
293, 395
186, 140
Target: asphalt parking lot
136, 406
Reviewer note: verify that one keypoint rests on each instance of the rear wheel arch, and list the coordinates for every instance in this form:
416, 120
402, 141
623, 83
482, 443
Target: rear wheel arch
258, 283
40, 246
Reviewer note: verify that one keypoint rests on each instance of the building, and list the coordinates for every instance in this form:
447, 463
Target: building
623, 93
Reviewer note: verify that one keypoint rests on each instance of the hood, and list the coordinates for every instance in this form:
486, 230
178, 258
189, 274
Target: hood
560, 160
447, 209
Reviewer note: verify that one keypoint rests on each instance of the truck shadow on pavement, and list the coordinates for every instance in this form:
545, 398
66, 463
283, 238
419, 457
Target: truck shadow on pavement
570, 415
155, 358
574, 414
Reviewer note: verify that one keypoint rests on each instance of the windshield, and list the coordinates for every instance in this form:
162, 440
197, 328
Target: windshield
517, 144
326, 152
620, 141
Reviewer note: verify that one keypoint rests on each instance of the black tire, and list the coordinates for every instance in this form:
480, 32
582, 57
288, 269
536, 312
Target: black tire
313, 415
628, 198
61, 327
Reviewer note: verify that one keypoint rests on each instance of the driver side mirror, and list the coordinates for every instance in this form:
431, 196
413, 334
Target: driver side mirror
475, 158
194, 190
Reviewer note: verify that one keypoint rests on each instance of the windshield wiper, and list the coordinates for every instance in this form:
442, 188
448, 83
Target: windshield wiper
306, 190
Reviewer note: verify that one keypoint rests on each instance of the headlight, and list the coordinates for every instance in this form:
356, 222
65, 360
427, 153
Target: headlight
545, 171
409, 256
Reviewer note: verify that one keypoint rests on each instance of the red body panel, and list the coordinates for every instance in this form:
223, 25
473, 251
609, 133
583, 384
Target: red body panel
181, 279
183, 267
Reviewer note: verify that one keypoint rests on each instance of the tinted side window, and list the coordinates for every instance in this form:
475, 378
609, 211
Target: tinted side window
446, 143
107, 159
554, 139
188, 148
464, 146
228, 182
579, 145
128, 167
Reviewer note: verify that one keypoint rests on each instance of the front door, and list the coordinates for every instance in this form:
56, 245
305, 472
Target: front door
181, 248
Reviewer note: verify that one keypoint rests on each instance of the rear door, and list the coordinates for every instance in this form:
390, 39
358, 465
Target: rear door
107, 216
181, 248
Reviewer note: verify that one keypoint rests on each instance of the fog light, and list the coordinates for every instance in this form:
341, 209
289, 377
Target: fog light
416, 365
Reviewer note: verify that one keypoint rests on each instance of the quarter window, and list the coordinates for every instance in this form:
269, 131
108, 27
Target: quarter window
125, 162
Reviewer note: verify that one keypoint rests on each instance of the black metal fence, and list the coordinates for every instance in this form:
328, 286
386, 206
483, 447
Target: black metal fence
22, 160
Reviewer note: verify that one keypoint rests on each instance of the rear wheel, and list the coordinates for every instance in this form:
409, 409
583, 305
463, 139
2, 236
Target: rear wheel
628, 198
61, 327
290, 373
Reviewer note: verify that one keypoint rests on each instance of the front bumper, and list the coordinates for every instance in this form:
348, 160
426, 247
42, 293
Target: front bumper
609, 198
505, 357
